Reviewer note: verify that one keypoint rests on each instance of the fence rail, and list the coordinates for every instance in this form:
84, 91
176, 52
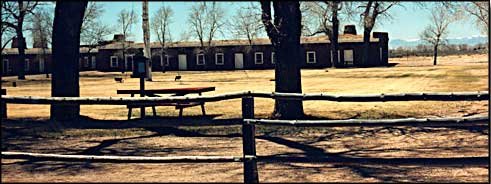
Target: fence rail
248, 127
321, 96
123, 159
426, 122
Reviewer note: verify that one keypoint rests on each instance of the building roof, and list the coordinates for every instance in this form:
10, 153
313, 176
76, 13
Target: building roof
10, 51
345, 38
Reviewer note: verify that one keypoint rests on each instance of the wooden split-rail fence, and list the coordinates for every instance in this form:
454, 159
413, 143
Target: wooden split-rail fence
249, 156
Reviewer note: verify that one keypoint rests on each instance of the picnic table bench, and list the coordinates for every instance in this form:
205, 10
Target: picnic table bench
174, 92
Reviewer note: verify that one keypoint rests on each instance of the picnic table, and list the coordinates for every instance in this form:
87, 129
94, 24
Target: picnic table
173, 92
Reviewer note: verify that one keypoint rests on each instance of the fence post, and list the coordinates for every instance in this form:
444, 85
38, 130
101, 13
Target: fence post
248, 141
3, 105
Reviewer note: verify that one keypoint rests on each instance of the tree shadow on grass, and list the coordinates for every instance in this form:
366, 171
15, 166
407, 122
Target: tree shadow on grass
383, 169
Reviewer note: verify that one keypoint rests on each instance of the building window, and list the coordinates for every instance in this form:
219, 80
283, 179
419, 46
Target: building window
86, 61
164, 60
219, 59
311, 57
200, 59
258, 58
93, 62
273, 58
114, 61
348, 57
5, 65
26, 66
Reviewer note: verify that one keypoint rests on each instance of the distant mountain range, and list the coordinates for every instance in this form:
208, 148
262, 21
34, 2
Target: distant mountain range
472, 40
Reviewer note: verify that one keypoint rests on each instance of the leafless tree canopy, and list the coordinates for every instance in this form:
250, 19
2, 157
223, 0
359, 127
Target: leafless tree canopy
318, 15
246, 23
480, 11
206, 18
126, 20
42, 26
372, 10
160, 25
93, 31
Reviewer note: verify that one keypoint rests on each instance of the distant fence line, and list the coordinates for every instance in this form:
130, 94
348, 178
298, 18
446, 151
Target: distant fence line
441, 96
249, 156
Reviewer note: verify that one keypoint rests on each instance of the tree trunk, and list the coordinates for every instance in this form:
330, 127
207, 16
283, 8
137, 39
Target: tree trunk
334, 37
435, 53
287, 69
366, 46
146, 40
66, 43
21, 63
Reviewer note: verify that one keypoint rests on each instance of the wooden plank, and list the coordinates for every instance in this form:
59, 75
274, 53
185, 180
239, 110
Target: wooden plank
466, 96
122, 159
249, 142
422, 122
117, 100
168, 90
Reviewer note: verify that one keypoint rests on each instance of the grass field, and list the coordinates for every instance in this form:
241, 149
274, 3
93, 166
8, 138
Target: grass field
419, 154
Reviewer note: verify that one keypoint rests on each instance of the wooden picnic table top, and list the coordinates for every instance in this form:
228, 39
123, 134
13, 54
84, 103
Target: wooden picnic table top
179, 91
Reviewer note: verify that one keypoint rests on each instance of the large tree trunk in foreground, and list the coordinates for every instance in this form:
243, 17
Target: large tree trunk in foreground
285, 38
21, 63
66, 43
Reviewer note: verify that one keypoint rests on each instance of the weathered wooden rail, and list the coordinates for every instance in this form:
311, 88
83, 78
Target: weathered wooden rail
445, 96
249, 156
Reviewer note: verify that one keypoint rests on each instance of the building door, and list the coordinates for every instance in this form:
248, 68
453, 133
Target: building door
93, 62
182, 62
239, 60
129, 63
41, 65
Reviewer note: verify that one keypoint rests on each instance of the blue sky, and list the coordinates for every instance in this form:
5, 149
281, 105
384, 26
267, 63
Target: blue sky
407, 22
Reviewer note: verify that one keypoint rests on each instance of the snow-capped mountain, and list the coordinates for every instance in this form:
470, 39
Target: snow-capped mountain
472, 40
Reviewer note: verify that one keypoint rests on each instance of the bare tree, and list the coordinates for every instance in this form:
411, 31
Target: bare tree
247, 23
480, 11
15, 13
372, 10
126, 20
284, 31
323, 18
436, 32
41, 30
206, 19
93, 31
66, 43
146, 40
6, 31
160, 26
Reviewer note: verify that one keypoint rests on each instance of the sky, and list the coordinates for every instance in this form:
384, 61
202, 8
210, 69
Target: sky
408, 20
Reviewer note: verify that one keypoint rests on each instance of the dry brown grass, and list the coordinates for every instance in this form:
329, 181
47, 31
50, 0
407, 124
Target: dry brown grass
418, 154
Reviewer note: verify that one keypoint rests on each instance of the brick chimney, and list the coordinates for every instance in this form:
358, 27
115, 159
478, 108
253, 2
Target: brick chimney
350, 29
118, 37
